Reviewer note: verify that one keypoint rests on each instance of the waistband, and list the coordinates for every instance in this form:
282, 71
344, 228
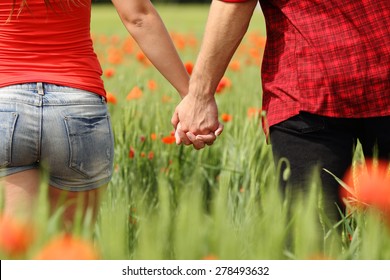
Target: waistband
40, 93
40, 86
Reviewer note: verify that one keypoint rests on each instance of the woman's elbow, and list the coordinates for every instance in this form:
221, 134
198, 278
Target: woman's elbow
136, 17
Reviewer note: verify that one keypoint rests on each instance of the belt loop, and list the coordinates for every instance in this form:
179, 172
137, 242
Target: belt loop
40, 88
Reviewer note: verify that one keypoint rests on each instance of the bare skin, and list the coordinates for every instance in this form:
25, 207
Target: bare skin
21, 191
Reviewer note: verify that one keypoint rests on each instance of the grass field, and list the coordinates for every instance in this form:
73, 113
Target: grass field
173, 202
178, 18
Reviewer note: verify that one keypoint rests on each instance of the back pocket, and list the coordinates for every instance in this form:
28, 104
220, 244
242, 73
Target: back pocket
90, 144
7, 127
304, 123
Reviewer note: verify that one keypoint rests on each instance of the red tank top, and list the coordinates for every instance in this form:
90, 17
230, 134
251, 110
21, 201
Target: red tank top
49, 44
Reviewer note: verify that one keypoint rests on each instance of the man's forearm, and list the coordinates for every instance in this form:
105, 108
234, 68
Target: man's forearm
226, 25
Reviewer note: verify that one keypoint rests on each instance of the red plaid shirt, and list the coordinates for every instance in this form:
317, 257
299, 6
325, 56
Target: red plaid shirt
326, 57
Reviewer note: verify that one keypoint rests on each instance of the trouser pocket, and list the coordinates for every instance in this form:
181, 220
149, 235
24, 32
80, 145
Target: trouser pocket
91, 144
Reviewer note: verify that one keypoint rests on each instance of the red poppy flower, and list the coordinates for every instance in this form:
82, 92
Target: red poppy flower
111, 98
235, 65
368, 185
128, 45
168, 139
135, 93
115, 56
179, 40
226, 117
258, 40
152, 85
210, 257
67, 247
15, 236
153, 136
109, 72
141, 57
189, 67
224, 83
131, 152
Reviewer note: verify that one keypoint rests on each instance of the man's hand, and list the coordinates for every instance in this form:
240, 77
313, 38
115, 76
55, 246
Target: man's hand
196, 121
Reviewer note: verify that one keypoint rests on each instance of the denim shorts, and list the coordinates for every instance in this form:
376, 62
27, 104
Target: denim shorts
65, 129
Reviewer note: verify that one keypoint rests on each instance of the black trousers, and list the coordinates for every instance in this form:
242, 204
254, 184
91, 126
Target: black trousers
310, 141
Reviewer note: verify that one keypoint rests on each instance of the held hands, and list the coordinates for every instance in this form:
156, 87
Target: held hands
196, 121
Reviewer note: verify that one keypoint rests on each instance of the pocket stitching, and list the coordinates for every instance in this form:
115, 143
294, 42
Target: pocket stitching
8, 154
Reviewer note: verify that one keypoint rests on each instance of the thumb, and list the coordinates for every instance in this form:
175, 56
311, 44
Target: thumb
219, 130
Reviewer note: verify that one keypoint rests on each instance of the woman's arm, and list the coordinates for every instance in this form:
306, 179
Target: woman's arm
148, 30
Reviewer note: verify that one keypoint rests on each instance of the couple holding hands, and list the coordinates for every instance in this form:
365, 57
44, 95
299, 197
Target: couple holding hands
325, 78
